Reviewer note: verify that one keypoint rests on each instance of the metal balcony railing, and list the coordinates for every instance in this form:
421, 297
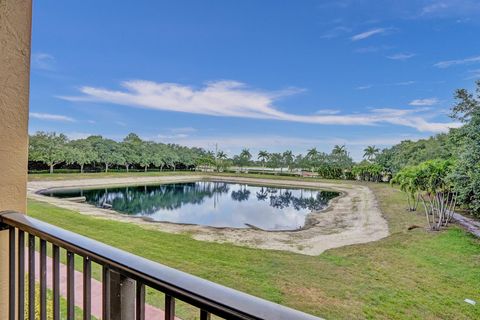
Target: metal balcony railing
125, 276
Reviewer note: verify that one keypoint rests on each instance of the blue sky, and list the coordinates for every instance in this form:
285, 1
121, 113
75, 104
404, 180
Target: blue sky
272, 75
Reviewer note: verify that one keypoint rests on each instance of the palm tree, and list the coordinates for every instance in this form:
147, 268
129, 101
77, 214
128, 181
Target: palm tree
245, 157
288, 159
312, 157
312, 153
220, 156
338, 149
263, 157
370, 152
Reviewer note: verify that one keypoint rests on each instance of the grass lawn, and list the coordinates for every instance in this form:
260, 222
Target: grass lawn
410, 274
97, 175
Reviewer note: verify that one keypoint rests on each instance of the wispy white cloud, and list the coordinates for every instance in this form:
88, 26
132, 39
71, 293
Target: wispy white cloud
450, 63
177, 133
51, 117
434, 7
42, 61
364, 87
183, 130
450, 8
424, 102
473, 74
172, 137
373, 49
234, 99
392, 84
403, 83
368, 34
335, 32
78, 135
414, 119
328, 111
401, 56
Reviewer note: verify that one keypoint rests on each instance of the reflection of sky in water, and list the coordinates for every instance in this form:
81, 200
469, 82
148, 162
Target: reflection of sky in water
217, 204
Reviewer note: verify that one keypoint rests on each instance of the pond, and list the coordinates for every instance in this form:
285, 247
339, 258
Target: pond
217, 204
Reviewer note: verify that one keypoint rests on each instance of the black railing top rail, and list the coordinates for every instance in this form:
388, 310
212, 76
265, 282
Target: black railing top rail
206, 295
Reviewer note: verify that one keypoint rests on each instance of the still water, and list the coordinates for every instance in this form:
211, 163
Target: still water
217, 204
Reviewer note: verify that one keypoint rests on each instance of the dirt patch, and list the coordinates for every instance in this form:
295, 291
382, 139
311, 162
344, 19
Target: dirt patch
351, 218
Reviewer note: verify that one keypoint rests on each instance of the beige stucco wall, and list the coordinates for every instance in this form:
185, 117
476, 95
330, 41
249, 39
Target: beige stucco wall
15, 31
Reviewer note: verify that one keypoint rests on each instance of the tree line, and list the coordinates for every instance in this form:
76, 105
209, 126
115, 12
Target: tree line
55, 150
52, 149
443, 171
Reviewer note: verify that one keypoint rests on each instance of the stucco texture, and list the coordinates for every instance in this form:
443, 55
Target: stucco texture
15, 33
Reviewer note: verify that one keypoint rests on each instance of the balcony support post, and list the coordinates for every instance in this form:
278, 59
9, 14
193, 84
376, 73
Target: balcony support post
122, 297
15, 30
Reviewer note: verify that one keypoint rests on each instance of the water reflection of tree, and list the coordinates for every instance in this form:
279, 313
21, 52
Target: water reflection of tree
262, 194
149, 199
241, 195
281, 199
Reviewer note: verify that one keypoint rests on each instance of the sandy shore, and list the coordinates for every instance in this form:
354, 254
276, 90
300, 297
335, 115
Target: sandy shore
351, 218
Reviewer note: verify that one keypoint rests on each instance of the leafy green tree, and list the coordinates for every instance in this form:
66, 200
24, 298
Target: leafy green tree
312, 158
431, 182
263, 157
107, 151
337, 149
410, 153
408, 181
158, 157
206, 160
220, 160
438, 196
370, 152
466, 174
243, 159
338, 162
288, 159
80, 152
147, 154
299, 161
49, 148
367, 171
171, 158
275, 160
131, 149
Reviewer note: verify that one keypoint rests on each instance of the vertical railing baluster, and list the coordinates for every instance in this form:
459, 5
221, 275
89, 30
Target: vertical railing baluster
122, 296
140, 301
70, 285
56, 282
11, 274
106, 293
31, 277
43, 279
21, 275
204, 315
169, 307
87, 288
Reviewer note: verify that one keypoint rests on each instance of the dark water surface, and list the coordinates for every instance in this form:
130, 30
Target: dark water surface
217, 204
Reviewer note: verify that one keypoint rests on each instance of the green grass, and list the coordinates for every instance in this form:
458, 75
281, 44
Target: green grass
107, 175
68, 176
409, 275
63, 306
